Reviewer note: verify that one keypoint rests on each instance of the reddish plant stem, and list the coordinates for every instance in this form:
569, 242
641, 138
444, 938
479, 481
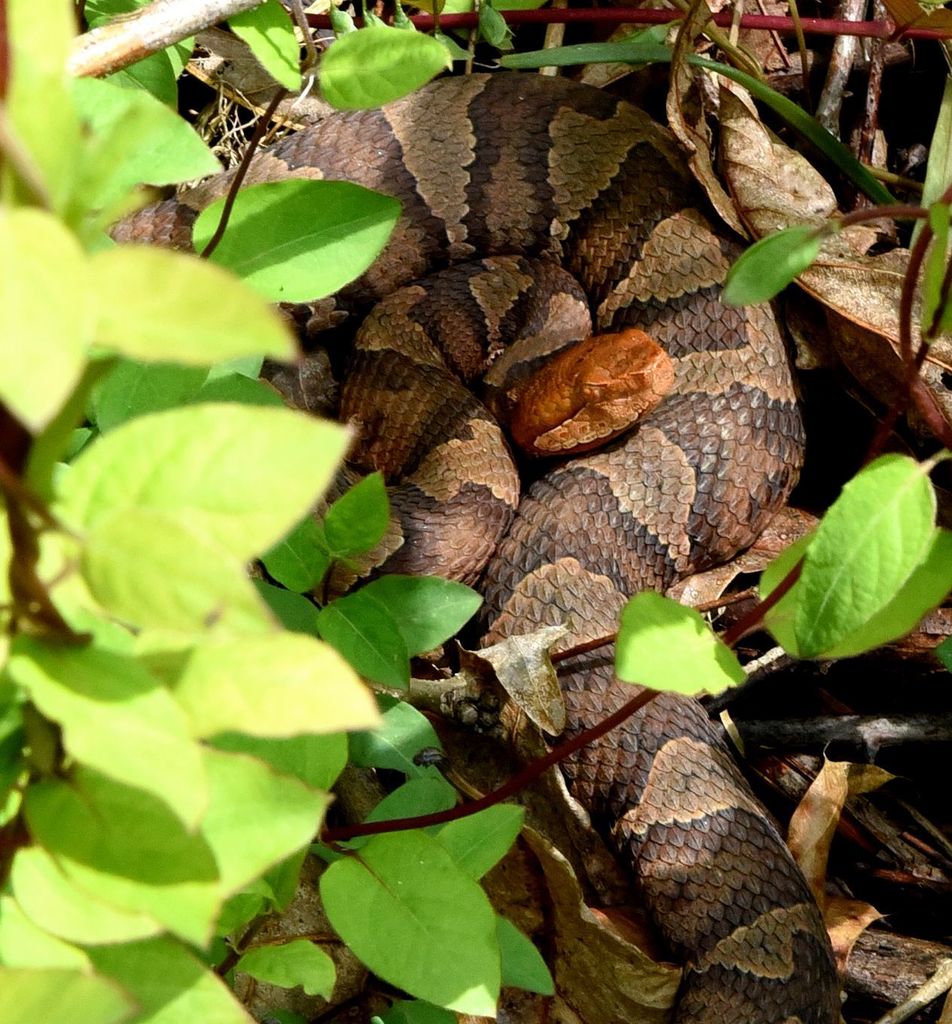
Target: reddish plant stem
764, 22
519, 781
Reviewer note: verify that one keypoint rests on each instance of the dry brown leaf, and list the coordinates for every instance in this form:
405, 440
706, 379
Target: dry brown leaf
522, 666
774, 188
601, 972
845, 921
686, 116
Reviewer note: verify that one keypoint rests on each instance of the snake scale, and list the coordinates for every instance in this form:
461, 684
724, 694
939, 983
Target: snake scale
548, 200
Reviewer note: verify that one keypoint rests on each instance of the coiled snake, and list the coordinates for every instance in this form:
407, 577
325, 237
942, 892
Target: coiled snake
544, 174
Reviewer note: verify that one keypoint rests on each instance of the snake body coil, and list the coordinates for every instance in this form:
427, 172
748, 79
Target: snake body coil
542, 174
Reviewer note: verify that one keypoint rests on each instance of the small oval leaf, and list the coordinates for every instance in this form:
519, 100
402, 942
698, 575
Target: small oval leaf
769, 265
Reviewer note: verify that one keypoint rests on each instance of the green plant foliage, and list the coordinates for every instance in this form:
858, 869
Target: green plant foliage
368, 637
392, 896
415, 1012
132, 389
268, 31
377, 65
41, 994
426, 795
44, 350
311, 689
478, 842
934, 270
294, 241
295, 963
769, 265
522, 964
300, 561
666, 646
944, 653
875, 565
358, 519
402, 733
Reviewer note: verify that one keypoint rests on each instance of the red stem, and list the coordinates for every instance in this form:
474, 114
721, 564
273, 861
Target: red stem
765, 22
519, 781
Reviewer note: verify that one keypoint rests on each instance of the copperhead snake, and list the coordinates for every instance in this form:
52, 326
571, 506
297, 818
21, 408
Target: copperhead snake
546, 174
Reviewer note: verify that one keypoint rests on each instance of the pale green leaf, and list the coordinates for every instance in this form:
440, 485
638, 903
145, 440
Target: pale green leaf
173, 307
666, 646
51, 994
257, 817
37, 103
298, 240
56, 903
170, 984
151, 570
404, 892
293, 963
379, 64
47, 315
25, 944
125, 848
240, 475
293, 611
479, 841
866, 547
117, 718
285, 684
268, 31
130, 137
522, 964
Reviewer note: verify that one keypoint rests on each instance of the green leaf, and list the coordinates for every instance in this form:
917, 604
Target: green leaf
771, 264
159, 308
132, 389
866, 548
150, 570
415, 797
293, 611
479, 841
268, 31
257, 817
294, 241
130, 138
357, 520
280, 685
54, 902
944, 653
170, 984
403, 892
239, 475
928, 584
112, 713
666, 646
939, 167
316, 760
493, 27
426, 609
300, 561
24, 944
294, 963
416, 1012
522, 964
378, 65
125, 848
934, 269
51, 994
236, 387
37, 103
403, 733
368, 637
47, 315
